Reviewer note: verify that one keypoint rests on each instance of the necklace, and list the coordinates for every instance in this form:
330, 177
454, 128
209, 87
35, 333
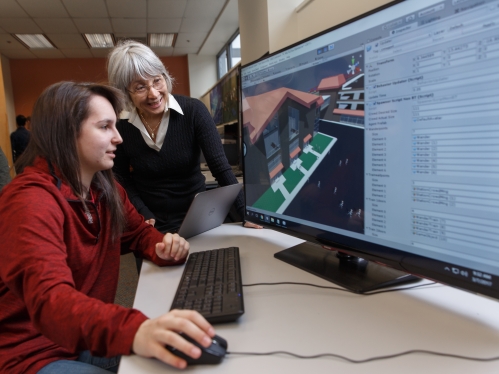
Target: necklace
151, 131
85, 207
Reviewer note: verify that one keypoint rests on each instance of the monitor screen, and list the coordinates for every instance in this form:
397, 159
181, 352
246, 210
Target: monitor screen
380, 138
222, 100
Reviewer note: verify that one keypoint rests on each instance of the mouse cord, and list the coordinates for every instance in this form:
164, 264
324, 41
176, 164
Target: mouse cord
370, 359
341, 289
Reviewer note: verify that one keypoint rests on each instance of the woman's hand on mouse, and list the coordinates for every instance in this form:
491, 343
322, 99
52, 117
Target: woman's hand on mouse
154, 334
173, 247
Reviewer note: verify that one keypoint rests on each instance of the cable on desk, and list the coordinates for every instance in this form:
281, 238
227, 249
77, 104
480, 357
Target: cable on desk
338, 288
370, 359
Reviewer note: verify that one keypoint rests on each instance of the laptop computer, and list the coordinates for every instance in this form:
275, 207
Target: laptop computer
208, 210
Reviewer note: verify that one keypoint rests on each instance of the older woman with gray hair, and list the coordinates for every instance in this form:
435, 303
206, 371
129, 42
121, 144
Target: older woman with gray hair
163, 136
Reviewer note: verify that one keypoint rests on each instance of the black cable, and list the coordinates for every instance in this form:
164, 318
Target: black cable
370, 359
353, 361
338, 288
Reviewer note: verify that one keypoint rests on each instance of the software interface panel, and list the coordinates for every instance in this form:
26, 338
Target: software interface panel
387, 117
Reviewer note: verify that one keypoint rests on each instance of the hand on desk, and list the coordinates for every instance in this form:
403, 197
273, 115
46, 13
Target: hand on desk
154, 334
173, 247
252, 225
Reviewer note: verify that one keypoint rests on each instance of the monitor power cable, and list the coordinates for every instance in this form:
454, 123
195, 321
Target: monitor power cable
340, 289
366, 360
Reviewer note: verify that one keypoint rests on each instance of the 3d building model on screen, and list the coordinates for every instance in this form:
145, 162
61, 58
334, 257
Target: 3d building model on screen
298, 126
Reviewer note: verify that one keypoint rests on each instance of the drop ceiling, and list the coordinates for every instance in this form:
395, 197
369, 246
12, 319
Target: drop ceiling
203, 26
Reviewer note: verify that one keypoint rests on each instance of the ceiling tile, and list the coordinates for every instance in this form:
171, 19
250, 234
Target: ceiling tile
184, 51
188, 40
45, 8
204, 9
100, 52
63, 21
19, 26
8, 42
10, 8
56, 25
163, 25
18, 53
211, 46
196, 25
127, 8
86, 8
76, 53
163, 52
166, 8
133, 26
222, 34
47, 53
68, 41
93, 25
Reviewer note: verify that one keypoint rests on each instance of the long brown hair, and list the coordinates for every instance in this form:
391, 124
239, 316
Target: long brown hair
55, 127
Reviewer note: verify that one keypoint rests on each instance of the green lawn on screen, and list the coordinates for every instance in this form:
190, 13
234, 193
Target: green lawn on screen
270, 200
293, 177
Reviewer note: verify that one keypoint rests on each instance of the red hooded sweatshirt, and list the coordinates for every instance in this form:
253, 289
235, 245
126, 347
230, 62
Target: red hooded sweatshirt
59, 273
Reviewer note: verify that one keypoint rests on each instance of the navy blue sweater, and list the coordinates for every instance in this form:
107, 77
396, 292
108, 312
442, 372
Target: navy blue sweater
162, 184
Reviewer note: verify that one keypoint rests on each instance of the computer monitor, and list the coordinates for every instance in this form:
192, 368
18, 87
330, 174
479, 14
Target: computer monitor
377, 142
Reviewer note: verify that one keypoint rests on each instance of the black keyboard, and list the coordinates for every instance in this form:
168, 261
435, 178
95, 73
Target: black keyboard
211, 284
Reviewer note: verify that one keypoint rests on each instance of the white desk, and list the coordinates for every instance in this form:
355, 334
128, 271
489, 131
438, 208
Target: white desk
309, 321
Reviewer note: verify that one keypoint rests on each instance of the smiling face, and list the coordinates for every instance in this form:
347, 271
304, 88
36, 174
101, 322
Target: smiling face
149, 96
98, 139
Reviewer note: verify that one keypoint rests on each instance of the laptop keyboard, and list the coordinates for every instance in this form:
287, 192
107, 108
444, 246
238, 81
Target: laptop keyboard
211, 284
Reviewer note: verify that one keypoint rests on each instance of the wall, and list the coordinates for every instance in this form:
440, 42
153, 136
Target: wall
283, 23
7, 116
202, 73
31, 76
270, 25
253, 29
320, 15
4, 125
9, 97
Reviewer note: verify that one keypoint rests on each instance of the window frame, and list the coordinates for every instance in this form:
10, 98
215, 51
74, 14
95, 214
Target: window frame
227, 50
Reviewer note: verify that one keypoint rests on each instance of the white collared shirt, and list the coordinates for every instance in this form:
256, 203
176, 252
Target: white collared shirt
134, 119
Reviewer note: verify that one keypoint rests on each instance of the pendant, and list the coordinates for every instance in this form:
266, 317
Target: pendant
152, 136
89, 217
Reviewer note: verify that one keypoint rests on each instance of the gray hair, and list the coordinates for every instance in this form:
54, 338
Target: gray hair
131, 59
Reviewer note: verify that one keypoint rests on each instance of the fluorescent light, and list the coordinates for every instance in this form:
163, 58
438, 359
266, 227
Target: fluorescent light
35, 40
162, 40
100, 40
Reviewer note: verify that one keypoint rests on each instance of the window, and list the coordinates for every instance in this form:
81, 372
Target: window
222, 64
235, 51
230, 55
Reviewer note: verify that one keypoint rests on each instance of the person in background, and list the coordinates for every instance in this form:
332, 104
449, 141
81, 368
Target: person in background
4, 170
163, 134
19, 139
62, 221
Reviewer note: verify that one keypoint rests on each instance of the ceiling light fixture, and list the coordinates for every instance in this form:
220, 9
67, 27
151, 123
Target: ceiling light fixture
99, 40
162, 40
34, 41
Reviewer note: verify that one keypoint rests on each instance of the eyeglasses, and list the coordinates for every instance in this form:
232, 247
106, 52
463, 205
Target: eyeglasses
158, 84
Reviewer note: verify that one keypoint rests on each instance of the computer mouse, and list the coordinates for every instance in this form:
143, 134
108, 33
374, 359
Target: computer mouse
209, 356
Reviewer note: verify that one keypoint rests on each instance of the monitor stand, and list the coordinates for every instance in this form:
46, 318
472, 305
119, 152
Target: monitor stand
350, 272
